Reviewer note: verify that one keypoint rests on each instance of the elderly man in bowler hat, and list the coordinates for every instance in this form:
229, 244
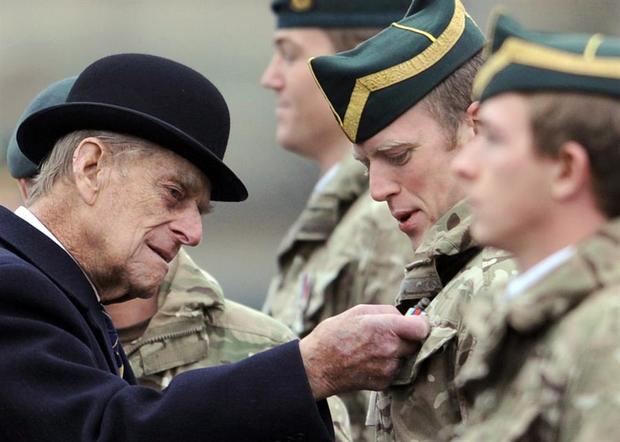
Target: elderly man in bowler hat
542, 177
343, 249
403, 98
189, 323
130, 163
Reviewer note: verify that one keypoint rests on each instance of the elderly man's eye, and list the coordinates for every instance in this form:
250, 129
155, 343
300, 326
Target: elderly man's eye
176, 193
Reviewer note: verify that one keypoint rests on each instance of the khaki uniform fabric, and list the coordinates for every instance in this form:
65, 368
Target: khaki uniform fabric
196, 327
547, 363
344, 249
450, 270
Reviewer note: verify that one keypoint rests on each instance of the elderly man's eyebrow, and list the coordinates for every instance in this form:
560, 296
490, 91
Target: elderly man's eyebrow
195, 186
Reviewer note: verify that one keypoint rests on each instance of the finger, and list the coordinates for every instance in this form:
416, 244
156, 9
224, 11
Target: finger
413, 328
407, 348
373, 309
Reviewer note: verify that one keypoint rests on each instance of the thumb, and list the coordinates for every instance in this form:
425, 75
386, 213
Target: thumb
411, 328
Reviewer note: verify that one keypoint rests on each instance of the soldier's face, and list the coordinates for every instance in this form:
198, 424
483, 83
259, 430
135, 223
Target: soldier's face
409, 167
304, 121
506, 180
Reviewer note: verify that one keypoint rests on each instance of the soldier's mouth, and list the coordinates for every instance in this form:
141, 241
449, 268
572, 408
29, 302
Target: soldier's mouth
408, 221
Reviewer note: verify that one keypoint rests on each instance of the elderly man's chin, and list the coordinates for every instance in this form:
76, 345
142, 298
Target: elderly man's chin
143, 284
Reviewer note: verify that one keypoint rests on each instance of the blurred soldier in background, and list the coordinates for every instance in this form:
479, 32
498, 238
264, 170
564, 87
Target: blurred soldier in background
403, 99
542, 178
189, 324
344, 249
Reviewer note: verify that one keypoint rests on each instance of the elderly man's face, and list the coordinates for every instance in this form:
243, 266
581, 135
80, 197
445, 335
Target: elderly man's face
408, 167
150, 206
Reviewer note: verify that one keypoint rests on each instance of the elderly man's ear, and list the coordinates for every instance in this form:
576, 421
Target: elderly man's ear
89, 168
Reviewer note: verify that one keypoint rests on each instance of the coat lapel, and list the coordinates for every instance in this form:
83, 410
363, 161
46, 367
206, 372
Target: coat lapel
33, 246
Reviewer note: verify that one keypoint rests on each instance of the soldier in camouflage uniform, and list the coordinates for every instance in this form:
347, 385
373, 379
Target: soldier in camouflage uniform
408, 114
189, 324
194, 326
542, 176
343, 250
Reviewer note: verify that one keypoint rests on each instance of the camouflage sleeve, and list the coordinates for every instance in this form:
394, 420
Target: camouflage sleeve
340, 418
593, 396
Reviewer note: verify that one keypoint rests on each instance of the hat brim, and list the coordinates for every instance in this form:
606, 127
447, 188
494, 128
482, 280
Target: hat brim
39, 132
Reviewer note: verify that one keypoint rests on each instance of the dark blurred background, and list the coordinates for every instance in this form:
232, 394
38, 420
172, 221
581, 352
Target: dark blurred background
230, 42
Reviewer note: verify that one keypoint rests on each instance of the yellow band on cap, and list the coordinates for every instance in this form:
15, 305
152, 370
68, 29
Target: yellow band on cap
416, 31
301, 5
402, 71
516, 51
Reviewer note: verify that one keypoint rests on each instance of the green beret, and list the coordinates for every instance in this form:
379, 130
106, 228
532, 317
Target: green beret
372, 85
338, 13
55, 93
522, 60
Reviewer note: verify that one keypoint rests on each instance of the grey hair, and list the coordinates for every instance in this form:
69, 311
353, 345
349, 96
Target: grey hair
59, 164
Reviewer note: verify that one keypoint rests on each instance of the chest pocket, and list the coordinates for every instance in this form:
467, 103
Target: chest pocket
168, 347
436, 342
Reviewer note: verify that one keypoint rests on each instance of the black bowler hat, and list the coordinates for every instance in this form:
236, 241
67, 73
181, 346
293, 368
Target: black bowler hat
148, 97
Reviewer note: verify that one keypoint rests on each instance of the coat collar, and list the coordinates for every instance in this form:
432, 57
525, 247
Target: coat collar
25, 241
30, 244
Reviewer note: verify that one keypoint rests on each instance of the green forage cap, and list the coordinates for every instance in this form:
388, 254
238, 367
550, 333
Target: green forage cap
522, 60
372, 85
55, 93
338, 13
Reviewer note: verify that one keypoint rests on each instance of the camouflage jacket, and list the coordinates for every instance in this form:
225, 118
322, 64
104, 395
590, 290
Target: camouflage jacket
547, 363
195, 327
343, 250
450, 270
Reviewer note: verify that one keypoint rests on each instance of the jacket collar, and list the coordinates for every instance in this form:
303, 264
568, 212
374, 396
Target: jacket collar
448, 237
593, 266
326, 208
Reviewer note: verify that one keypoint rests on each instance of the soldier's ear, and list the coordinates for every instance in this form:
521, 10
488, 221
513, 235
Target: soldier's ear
472, 115
571, 175
467, 127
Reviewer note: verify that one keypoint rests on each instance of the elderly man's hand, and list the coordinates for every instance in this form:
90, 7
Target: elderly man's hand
360, 349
